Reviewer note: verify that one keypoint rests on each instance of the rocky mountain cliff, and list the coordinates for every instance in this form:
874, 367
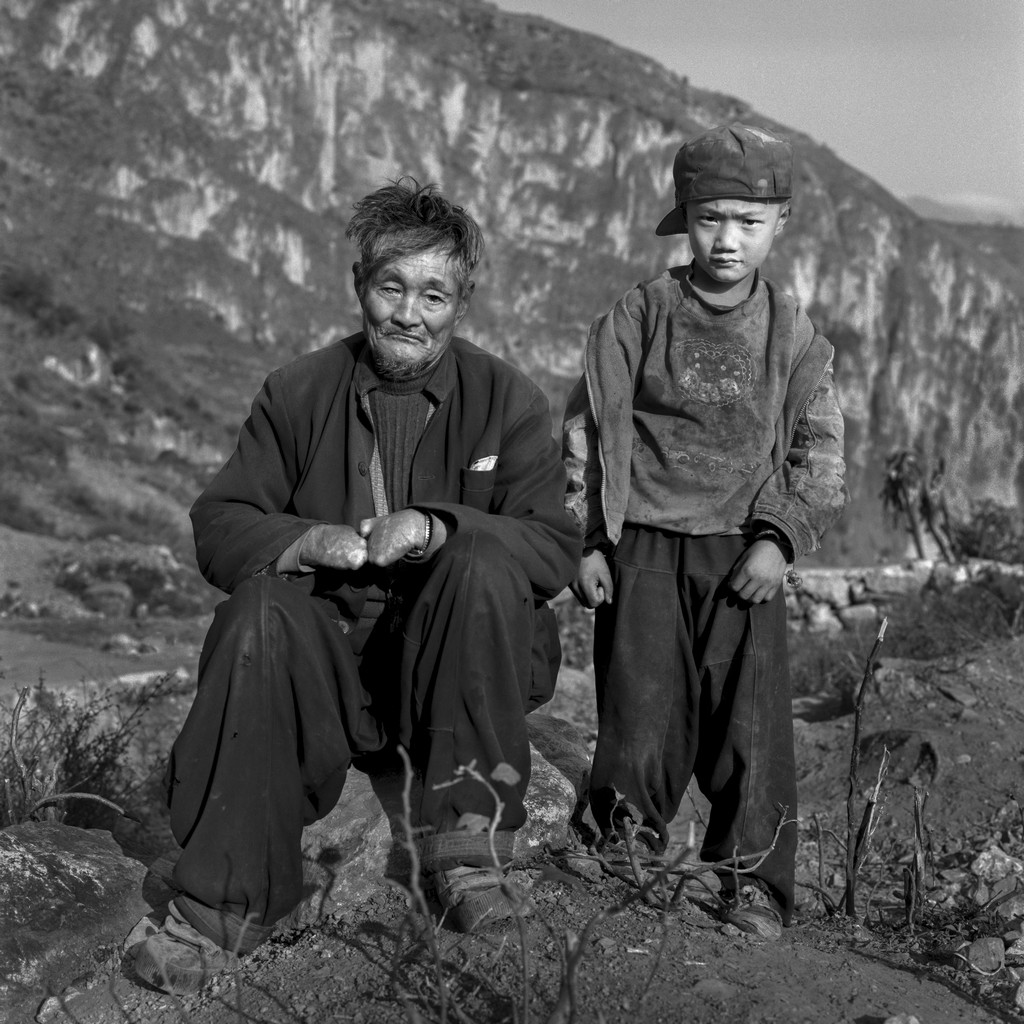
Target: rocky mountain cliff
175, 177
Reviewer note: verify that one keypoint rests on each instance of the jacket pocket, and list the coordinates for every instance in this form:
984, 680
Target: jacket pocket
477, 487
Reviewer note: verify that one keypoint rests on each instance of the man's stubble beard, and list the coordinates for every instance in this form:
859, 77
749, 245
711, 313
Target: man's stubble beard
398, 370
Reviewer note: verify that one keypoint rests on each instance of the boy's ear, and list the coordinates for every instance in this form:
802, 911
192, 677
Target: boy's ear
783, 216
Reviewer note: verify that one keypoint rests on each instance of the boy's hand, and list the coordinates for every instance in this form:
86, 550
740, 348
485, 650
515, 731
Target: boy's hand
757, 574
593, 583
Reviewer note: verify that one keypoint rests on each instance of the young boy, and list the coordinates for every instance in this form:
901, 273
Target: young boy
704, 446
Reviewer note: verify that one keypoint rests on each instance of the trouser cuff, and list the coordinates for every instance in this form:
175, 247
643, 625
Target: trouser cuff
228, 930
446, 850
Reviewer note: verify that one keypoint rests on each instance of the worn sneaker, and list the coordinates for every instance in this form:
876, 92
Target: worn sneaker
752, 912
180, 960
474, 897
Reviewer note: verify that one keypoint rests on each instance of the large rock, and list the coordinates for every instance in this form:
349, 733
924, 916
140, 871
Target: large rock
345, 855
67, 894
550, 805
575, 701
561, 745
349, 853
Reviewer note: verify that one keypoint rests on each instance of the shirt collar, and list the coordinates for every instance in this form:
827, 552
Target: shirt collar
688, 290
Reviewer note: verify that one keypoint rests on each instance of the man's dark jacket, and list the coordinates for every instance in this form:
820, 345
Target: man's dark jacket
304, 454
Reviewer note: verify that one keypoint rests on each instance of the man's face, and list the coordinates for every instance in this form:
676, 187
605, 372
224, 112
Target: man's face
411, 308
731, 238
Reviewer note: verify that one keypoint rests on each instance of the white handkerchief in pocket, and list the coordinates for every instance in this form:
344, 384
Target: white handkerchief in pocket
487, 462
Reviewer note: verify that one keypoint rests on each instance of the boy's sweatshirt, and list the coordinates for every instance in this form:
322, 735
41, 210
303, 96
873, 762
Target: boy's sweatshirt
699, 421
703, 417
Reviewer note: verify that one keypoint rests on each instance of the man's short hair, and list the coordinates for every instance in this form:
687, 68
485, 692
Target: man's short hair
404, 218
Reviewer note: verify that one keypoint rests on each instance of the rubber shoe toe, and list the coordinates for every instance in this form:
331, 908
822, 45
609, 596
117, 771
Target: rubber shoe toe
752, 912
180, 960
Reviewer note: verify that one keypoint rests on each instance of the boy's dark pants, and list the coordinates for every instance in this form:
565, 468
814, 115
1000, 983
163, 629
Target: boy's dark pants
286, 699
692, 681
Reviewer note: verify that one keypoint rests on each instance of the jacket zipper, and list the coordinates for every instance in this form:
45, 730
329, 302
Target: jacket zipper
803, 411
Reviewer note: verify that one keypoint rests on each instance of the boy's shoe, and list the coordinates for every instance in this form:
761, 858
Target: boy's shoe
474, 897
180, 960
752, 912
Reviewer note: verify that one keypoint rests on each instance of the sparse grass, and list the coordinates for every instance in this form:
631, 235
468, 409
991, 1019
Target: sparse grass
53, 743
934, 624
991, 531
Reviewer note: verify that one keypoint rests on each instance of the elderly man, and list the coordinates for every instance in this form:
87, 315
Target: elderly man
389, 529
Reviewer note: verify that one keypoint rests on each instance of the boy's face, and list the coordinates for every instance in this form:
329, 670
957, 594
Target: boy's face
731, 238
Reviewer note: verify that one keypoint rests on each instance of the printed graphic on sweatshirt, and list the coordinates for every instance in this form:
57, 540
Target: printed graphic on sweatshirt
715, 374
697, 461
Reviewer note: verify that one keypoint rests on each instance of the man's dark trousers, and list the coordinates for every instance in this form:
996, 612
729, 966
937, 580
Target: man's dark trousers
286, 699
691, 681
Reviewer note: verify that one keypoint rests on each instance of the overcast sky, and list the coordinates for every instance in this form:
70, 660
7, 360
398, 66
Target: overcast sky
926, 96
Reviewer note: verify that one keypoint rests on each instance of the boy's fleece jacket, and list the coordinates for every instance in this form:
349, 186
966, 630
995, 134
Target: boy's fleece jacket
702, 422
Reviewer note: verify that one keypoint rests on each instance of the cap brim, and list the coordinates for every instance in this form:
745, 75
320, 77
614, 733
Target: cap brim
673, 224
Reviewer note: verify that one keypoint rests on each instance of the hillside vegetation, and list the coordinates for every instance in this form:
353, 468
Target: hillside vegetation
175, 180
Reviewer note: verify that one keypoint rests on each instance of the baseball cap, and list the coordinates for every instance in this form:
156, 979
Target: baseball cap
732, 161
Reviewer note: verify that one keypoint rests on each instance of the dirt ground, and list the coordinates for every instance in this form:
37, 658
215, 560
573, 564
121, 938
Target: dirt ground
953, 726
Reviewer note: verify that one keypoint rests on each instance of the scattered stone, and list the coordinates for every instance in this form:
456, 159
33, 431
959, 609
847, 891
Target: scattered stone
123, 643
902, 1018
1004, 886
896, 679
113, 599
986, 954
96, 1004
958, 693
67, 892
859, 616
715, 988
830, 586
821, 619
898, 580
993, 864
1011, 909
963, 759
1015, 951
945, 576
1018, 999
821, 707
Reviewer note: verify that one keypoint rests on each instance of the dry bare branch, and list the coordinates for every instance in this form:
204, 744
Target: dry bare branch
851, 866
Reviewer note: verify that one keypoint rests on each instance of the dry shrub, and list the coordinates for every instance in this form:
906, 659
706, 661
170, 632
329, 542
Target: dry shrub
88, 746
991, 531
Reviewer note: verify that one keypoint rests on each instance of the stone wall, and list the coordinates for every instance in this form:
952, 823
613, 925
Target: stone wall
836, 599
